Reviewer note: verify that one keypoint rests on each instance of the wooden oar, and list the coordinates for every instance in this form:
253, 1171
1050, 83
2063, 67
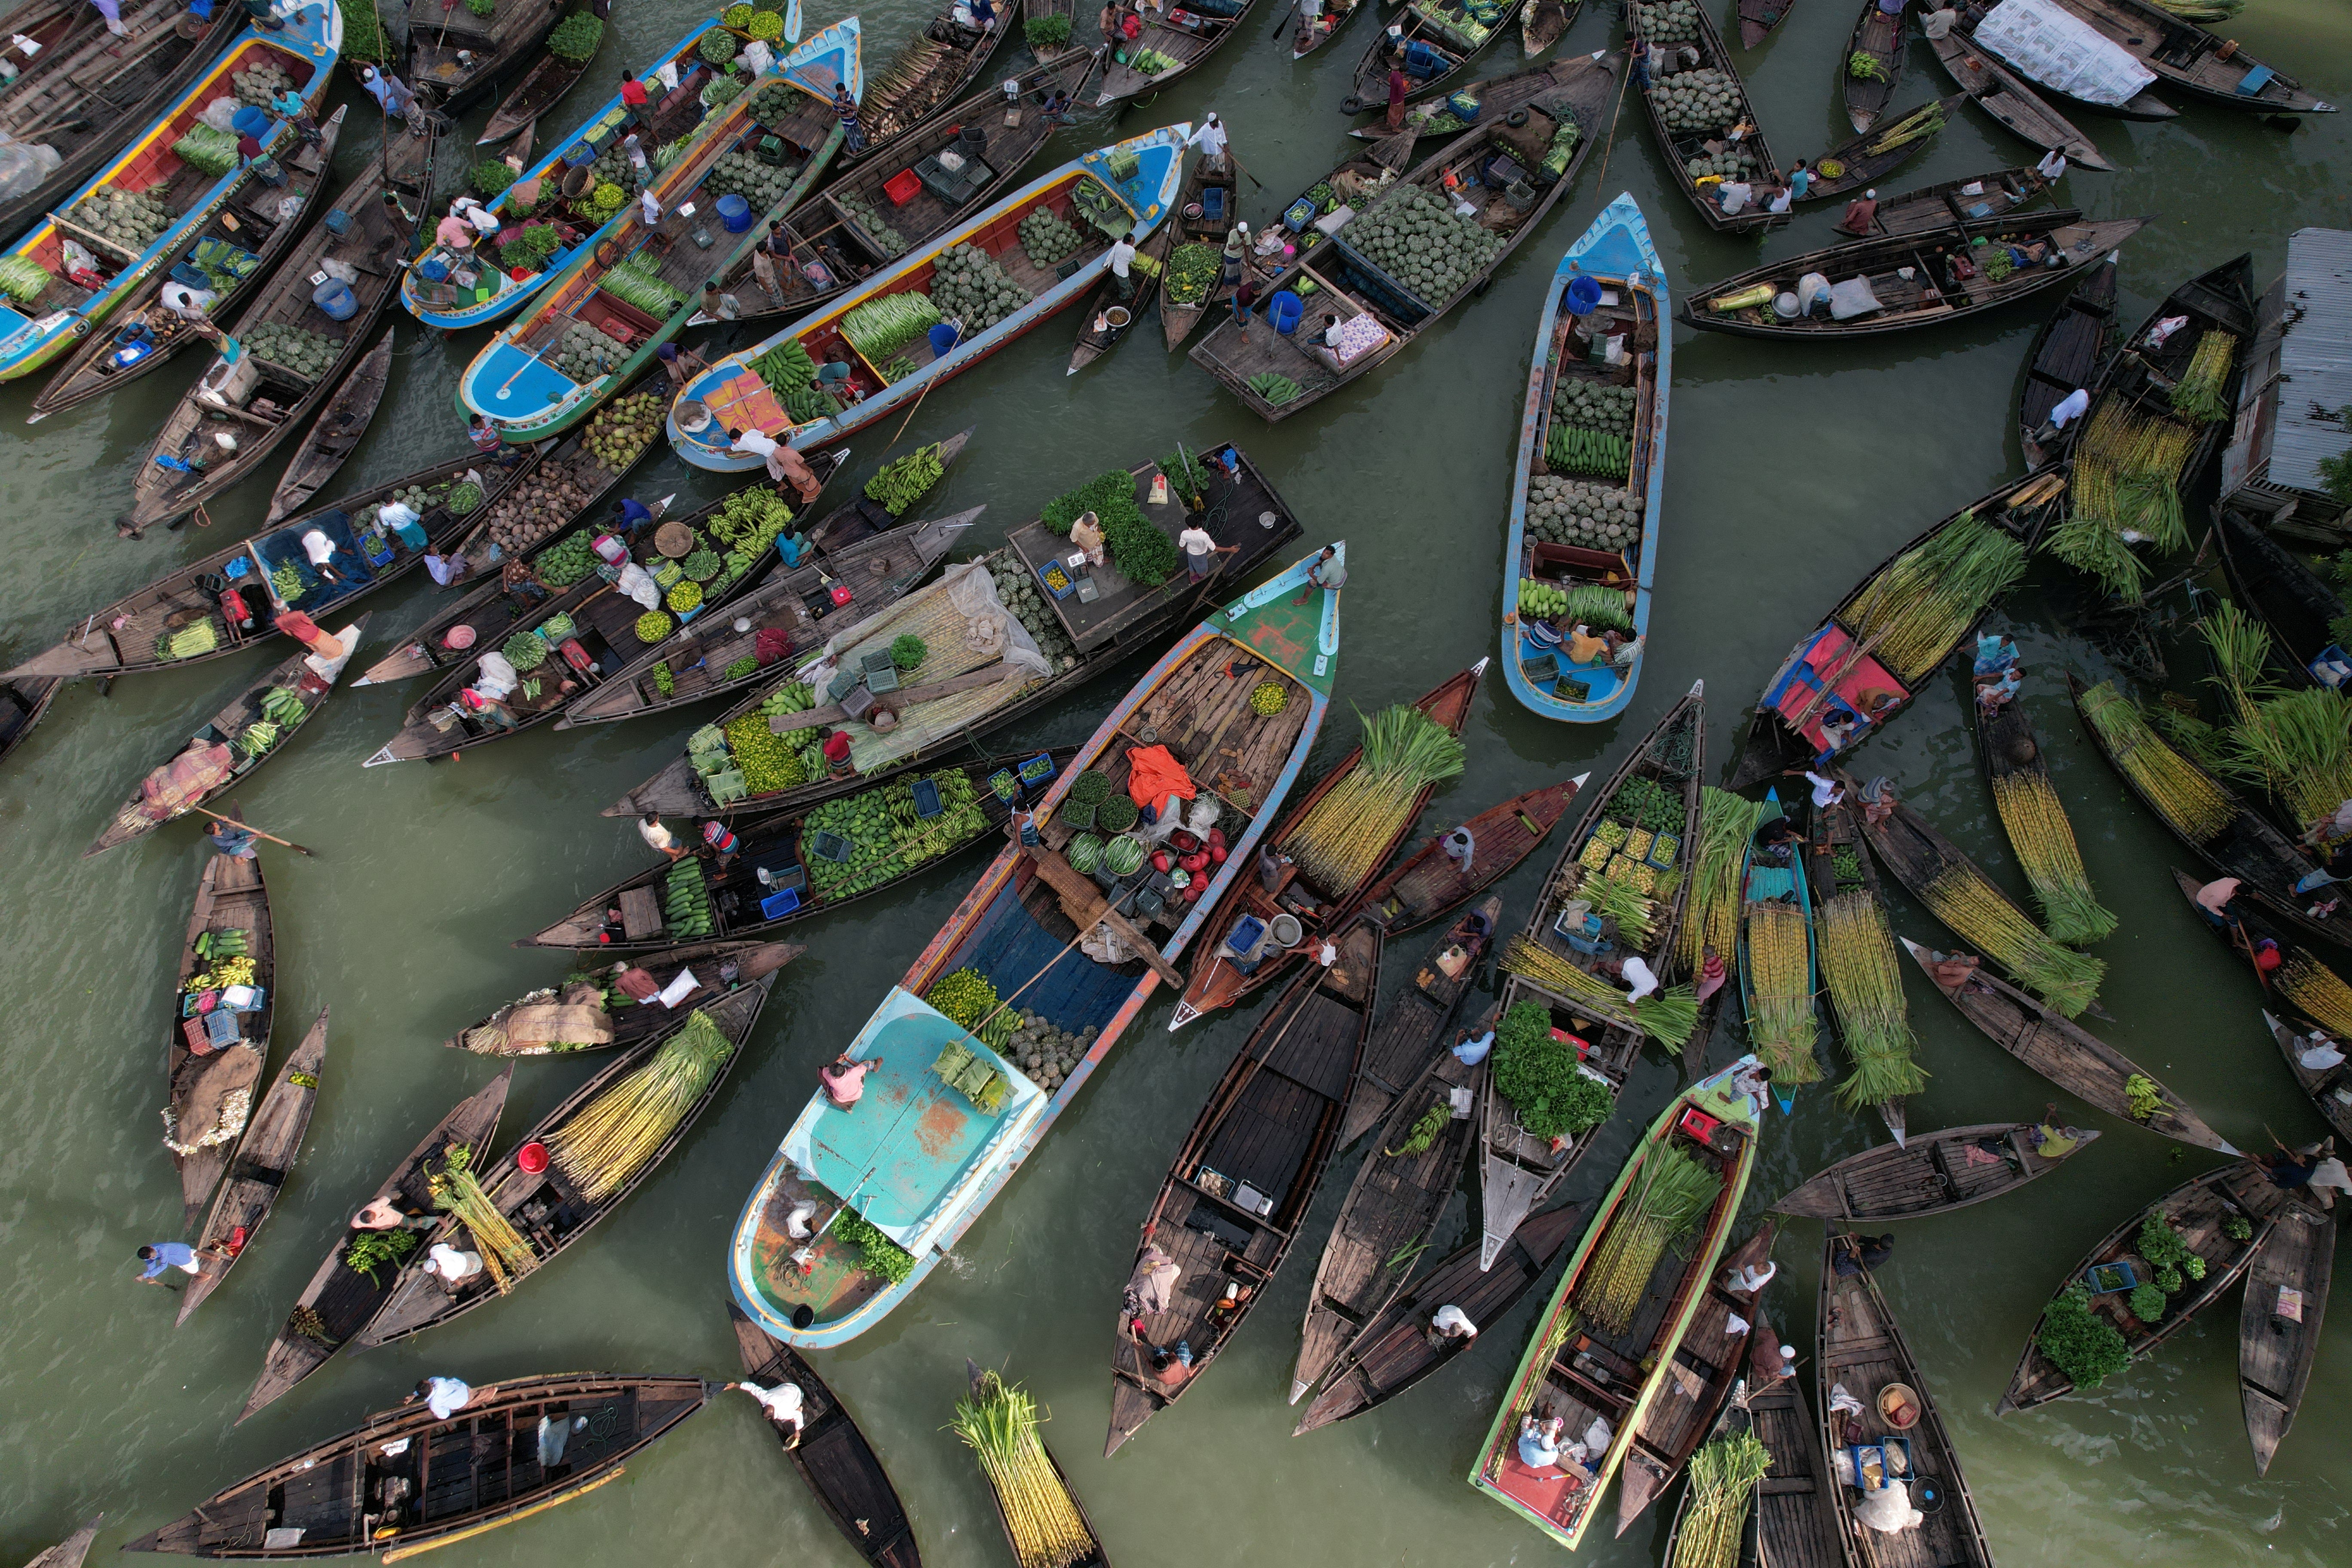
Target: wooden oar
233, 822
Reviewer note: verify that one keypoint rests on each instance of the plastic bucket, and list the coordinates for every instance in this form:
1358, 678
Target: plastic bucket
1583, 294
1283, 311
334, 298
251, 122
734, 213
943, 338
1286, 930
532, 1157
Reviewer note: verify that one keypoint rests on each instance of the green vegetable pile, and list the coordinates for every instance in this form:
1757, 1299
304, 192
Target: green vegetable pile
1045, 33
24, 279
1144, 556
717, 47
576, 37
793, 697
765, 758
2147, 1301
900, 484
481, 7
1571, 449
685, 899
1045, 1052
886, 241
491, 176
1046, 238
2141, 1097
290, 580
585, 353
1643, 801
1274, 388
1587, 603
785, 369
774, 103
887, 839
364, 40
372, 1249
198, 637
530, 246
2080, 1342
305, 353
880, 327
652, 626
213, 151
665, 682
685, 596
557, 627
1538, 1075
908, 651
877, 1254
736, 18
741, 174
723, 91
1418, 241
765, 25
566, 561
1422, 1132
748, 523
1192, 271
1575, 511
2165, 1252
637, 280
283, 707
740, 670
969, 289
1563, 146
1670, 22
1149, 62
257, 737
526, 650
1018, 592
1097, 495
1863, 66
966, 998
701, 564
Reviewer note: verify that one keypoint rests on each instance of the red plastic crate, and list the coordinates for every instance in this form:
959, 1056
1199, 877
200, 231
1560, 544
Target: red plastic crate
902, 187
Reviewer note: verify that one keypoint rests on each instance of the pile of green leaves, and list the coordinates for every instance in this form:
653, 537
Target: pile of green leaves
2165, 1252
1537, 1075
491, 176
1044, 33
372, 1249
908, 651
2147, 1301
877, 1254
576, 37
2079, 1342
1097, 495
717, 47
364, 40
530, 246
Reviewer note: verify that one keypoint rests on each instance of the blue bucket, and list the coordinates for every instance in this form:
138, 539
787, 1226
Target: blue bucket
1283, 311
943, 338
251, 121
1583, 294
734, 214
334, 298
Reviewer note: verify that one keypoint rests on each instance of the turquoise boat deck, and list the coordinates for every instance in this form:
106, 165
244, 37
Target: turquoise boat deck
515, 383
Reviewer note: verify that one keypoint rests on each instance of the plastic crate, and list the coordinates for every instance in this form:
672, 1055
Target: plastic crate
903, 187
777, 905
1055, 580
829, 847
1247, 932
1038, 769
886, 679
1003, 785
927, 797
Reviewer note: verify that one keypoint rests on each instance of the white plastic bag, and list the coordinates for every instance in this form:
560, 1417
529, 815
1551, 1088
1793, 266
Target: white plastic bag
219, 114
24, 165
638, 583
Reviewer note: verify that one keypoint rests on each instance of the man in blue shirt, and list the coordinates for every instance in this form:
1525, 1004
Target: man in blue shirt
627, 515
163, 1257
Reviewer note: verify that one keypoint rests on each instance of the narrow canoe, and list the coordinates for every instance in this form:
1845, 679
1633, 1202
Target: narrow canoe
2278, 1324
933, 68
1714, 1356
1757, 18
1094, 1554
1936, 207
716, 967
541, 86
1312, 31
1519, 1172
1930, 1175
339, 430
209, 1094
2200, 1211
1677, 147
2293, 600
1838, 863
1542, 23
2139, 105
72, 1551
1215, 192
1440, 41
1761, 883
458, 58
2066, 355
495, 1469
24, 700
1793, 1526
833, 1459
2330, 1089
1027, 912
2004, 95
1168, 48
339, 1300
1860, 169
2009, 752
1412, 1027
264, 1156
1429, 884
1880, 37
1105, 320
2193, 62
1427, 114
1597, 530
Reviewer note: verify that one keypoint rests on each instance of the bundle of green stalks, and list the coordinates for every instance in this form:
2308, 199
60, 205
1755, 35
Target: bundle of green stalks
2203, 10
1723, 1480
1924, 121
1913, 613
506, 1256
1633, 910
2196, 806
1669, 1196
1979, 913
1865, 984
1667, 1018
2045, 841
1781, 992
1711, 915
998, 1422
2127, 479
613, 1137
2316, 990
2197, 395
1345, 833
2298, 744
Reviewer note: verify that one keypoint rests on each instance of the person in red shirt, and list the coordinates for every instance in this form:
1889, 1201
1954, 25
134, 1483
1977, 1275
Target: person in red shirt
836, 752
633, 95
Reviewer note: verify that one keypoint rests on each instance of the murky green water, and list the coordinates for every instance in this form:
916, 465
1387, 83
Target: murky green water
1789, 472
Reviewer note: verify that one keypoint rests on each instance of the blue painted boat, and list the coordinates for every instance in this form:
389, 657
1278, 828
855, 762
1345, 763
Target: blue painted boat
452, 303
732, 394
1610, 284
885, 1188
1785, 1042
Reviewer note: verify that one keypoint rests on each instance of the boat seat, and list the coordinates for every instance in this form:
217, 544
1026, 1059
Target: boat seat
1606, 567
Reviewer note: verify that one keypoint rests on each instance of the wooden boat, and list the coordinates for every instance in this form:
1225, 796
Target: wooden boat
339, 1300
98, 647
1025, 916
1763, 883
1678, 148
732, 394
1170, 49
1542, 23
1880, 37
2275, 1350
2198, 1211
348, 1495
1349, 283
339, 429
717, 968
1937, 208
1392, 1352
458, 58
1096, 1556
1838, 863
1757, 20
1246, 1175
2330, 1089
254, 403
1580, 1369
264, 1156
877, 568
1219, 979
1517, 1170
1311, 33
2139, 105
1448, 36
2193, 62
210, 1093
1861, 1347
2067, 355
1429, 884
88, 91
1411, 1029
214, 760
1793, 1524
1927, 1175
1216, 191
1860, 168
2293, 600
1427, 116
1898, 303
1400, 1190
110, 265
629, 916
1547, 545
2003, 94
24, 702
543, 87
1715, 1355
1787, 733
257, 223
546, 1206
472, 295
935, 68
842, 1470
72, 1551
1105, 319
2250, 849
870, 212
516, 382
1122, 619
2066, 1054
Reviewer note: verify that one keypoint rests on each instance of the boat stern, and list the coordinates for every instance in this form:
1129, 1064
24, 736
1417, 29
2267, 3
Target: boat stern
522, 394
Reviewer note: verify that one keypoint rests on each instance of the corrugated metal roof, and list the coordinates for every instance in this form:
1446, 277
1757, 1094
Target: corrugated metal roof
2314, 357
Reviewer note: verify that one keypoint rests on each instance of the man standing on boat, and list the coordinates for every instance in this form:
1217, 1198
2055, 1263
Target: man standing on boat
1210, 140
844, 107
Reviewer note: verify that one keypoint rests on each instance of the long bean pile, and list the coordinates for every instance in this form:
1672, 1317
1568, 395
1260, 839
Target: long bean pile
2045, 841
1667, 1018
612, 1136
1343, 835
1865, 984
506, 1256
998, 1422
2182, 793
2297, 744
1711, 917
1915, 610
1780, 991
1961, 897
1723, 1478
1666, 1199
2317, 989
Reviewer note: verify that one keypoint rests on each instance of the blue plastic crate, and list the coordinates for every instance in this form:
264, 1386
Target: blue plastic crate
1053, 572
776, 906
1038, 769
927, 797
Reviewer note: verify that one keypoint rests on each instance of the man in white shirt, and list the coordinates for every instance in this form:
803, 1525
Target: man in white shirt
321, 553
2071, 408
2052, 165
445, 570
1637, 975
1451, 1325
1827, 791
1733, 197
445, 1396
649, 211
450, 1265
756, 441
1210, 140
783, 1406
1121, 255
1939, 23
659, 837
188, 304
1200, 552
1746, 1279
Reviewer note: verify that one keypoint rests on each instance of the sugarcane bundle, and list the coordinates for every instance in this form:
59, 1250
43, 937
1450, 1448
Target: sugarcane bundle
1913, 613
998, 1422
2127, 481
1865, 986
2318, 990
1723, 1478
1780, 991
2203, 11
2198, 394
1959, 895
2298, 744
612, 1137
1343, 835
1620, 900
1667, 1018
458, 1192
1667, 1197
2197, 807
2043, 838
904, 91
1924, 121
1711, 915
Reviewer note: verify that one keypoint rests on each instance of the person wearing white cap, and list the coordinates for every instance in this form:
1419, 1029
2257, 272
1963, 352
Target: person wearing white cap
1210, 140
451, 1266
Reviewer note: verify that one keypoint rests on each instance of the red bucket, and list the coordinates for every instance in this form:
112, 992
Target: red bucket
532, 1157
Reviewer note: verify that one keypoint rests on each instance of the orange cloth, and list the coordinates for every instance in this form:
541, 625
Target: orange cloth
305, 630
1152, 775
